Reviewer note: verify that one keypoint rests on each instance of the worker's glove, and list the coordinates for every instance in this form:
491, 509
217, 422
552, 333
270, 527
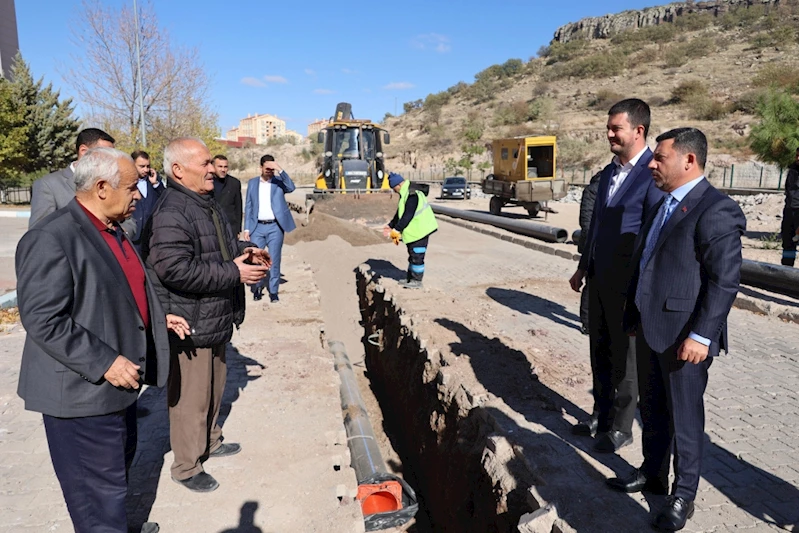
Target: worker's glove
396, 236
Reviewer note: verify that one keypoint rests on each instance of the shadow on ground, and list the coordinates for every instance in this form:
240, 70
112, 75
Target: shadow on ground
246, 520
153, 445
530, 304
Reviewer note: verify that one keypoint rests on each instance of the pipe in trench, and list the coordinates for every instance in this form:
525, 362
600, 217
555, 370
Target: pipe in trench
543, 232
386, 500
773, 278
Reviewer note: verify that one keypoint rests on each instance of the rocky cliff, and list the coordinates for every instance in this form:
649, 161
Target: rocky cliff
606, 26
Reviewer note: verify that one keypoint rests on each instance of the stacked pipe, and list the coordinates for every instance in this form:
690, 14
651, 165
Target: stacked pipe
543, 232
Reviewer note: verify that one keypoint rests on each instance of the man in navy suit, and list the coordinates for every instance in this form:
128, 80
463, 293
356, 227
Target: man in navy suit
267, 218
150, 188
688, 259
626, 194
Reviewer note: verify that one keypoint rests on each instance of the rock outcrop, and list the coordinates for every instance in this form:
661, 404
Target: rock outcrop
608, 25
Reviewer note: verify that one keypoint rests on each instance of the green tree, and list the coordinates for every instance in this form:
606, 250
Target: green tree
776, 137
50, 140
13, 158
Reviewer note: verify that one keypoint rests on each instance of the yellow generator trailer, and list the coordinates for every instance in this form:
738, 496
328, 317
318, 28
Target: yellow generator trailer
524, 174
353, 156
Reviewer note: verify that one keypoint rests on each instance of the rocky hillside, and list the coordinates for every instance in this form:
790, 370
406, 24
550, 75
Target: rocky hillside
705, 64
609, 25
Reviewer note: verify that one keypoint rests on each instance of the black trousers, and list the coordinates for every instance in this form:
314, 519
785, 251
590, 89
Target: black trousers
416, 253
673, 415
90, 456
790, 223
612, 359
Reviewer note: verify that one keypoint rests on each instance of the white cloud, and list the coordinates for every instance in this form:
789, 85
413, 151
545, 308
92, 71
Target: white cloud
252, 82
275, 79
322, 91
310, 72
349, 71
432, 41
398, 86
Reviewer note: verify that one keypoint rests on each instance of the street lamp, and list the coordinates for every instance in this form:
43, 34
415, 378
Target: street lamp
138, 79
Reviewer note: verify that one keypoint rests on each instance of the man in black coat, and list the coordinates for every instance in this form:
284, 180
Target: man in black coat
227, 191
202, 269
586, 212
95, 332
150, 189
790, 214
688, 266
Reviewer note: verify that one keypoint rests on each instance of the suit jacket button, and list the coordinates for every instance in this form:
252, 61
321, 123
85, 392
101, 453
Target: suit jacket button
141, 328
141, 359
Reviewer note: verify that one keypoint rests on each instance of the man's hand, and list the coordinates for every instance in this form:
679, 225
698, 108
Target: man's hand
245, 235
576, 280
123, 373
274, 166
153, 177
178, 325
386, 231
259, 256
249, 274
396, 236
692, 351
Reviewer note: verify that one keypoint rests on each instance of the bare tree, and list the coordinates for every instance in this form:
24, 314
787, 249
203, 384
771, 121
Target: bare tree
174, 82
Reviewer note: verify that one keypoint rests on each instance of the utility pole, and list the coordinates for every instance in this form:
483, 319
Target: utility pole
142, 126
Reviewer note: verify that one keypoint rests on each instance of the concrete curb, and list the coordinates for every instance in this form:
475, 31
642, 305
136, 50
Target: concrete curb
9, 213
9, 299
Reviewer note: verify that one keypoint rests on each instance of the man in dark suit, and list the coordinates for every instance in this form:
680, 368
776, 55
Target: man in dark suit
227, 191
688, 259
267, 218
626, 193
150, 189
95, 331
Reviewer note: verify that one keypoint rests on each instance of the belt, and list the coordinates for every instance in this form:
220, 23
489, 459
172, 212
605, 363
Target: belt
267, 221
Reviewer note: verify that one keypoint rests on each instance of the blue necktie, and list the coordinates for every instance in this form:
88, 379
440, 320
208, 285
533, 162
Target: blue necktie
651, 242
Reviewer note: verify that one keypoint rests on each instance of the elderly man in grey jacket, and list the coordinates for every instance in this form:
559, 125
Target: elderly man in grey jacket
95, 332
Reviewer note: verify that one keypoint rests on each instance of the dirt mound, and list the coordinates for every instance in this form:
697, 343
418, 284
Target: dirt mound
369, 209
321, 226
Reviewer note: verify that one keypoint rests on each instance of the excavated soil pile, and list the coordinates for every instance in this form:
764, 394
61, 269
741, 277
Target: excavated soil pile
320, 226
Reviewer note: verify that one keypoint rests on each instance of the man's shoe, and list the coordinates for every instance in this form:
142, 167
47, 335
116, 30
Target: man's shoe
636, 483
586, 429
675, 514
257, 295
612, 441
413, 284
274, 299
202, 482
150, 527
226, 449
584, 330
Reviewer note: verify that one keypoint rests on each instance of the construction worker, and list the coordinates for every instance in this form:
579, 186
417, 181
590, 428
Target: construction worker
413, 223
790, 215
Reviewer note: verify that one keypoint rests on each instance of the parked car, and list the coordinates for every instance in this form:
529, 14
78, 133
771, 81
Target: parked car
456, 187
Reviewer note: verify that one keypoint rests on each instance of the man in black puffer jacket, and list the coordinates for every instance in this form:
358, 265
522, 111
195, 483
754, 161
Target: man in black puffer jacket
202, 268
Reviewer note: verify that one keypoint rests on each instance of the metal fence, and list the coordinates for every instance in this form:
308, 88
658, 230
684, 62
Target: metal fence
749, 175
15, 195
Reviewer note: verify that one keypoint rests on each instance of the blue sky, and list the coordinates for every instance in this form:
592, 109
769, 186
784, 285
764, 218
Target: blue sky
297, 59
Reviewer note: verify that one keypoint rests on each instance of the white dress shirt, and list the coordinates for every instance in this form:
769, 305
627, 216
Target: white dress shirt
265, 200
621, 173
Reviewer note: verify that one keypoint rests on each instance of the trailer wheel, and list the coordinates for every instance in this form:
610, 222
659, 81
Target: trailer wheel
495, 205
533, 209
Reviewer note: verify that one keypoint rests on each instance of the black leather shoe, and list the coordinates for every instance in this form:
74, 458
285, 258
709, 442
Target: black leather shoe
150, 527
586, 429
226, 449
637, 482
257, 295
612, 441
584, 330
675, 514
274, 299
202, 482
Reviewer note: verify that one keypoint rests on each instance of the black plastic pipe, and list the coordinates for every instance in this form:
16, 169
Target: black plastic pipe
523, 227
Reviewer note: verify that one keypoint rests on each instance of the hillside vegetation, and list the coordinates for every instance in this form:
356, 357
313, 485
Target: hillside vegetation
701, 70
